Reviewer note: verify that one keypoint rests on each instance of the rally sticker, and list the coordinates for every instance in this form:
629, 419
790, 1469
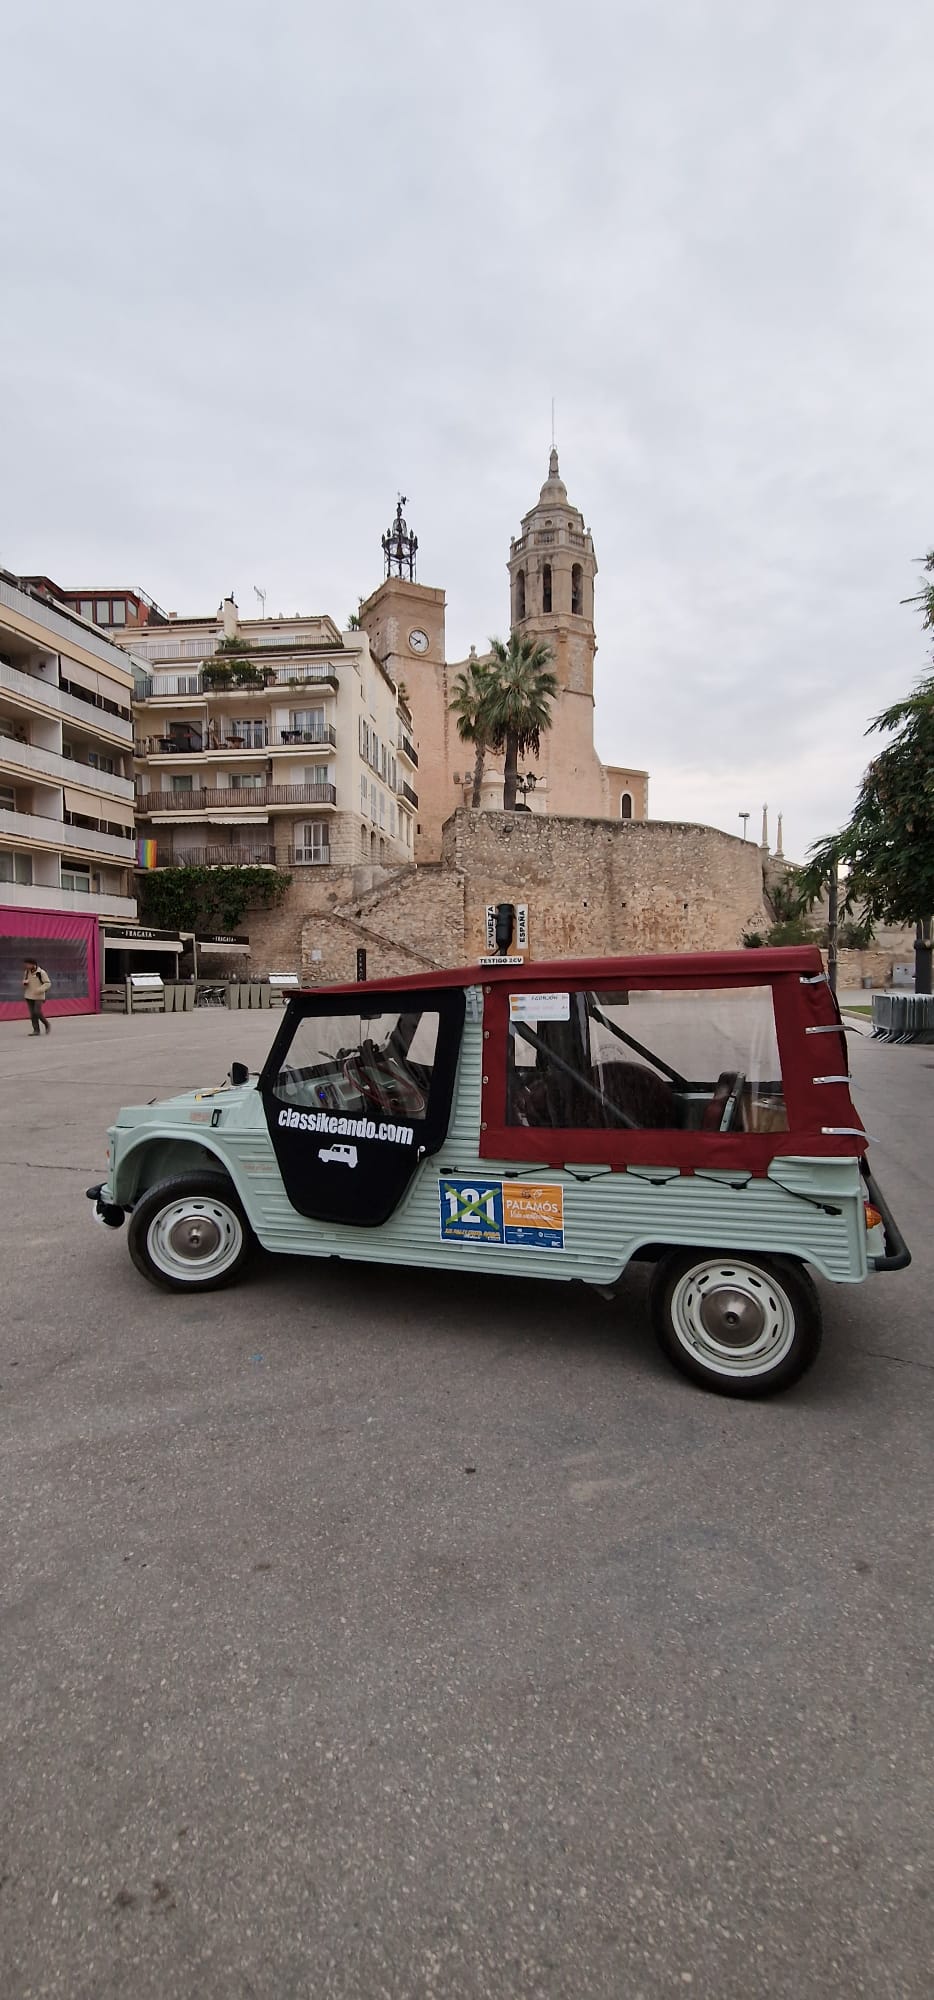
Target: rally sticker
521, 1215
539, 1006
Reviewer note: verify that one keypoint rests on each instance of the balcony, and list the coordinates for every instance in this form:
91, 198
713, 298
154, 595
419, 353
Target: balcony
321, 736
406, 748
404, 791
175, 686
64, 770
230, 798
31, 830
247, 856
309, 857
35, 693
39, 896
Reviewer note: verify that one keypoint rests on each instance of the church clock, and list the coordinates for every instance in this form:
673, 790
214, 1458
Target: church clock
418, 640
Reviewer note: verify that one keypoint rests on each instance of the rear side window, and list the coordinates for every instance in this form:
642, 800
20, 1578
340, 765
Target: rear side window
698, 1061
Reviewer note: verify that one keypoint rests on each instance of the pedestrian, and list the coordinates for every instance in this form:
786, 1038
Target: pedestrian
36, 985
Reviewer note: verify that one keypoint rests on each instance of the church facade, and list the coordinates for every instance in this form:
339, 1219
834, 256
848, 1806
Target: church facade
552, 568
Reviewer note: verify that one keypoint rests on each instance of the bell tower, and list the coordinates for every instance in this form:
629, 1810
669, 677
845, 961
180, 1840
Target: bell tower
552, 567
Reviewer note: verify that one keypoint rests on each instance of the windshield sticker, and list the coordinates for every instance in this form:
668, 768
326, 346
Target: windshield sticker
539, 1006
347, 1128
520, 1215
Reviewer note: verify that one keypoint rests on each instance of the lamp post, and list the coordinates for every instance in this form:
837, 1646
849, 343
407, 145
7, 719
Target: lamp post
745, 819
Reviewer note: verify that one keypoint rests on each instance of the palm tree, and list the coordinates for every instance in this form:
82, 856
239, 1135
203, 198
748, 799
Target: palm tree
471, 691
517, 706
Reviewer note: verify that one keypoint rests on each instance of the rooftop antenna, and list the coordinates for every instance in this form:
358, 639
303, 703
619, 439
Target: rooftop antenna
260, 596
552, 423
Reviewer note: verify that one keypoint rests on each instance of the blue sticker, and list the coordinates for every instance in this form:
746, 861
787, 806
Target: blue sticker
471, 1211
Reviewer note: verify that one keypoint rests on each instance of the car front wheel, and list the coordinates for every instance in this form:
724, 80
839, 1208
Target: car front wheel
743, 1325
190, 1234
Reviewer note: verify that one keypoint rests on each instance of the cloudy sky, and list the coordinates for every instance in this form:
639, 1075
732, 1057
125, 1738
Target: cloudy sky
265, 265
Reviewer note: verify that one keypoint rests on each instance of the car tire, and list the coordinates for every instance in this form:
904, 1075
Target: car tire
737, 1323
190, 1234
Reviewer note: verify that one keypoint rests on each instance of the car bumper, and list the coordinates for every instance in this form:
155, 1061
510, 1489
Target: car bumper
106, 1211
897, 1254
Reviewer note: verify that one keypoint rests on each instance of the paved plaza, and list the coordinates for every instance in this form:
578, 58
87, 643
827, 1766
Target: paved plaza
406, 1637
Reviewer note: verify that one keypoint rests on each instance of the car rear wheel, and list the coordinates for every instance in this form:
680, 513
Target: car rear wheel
190, 1234
743, 1325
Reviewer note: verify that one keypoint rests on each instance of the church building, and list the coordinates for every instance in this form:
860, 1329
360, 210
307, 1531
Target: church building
552, 567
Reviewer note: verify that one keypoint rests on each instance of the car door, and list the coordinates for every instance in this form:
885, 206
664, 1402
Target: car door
356, 1092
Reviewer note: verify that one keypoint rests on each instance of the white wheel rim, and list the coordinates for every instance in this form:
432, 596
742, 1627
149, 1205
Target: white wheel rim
195, 1238
732, 1317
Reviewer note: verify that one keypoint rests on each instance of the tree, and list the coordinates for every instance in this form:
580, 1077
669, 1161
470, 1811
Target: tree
517, 707
471, 690
887, 845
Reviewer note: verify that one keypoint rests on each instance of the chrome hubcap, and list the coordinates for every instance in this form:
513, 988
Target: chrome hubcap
195, 1237
733, 1317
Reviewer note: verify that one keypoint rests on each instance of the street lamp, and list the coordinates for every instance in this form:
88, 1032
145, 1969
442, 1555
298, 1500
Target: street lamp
745, 819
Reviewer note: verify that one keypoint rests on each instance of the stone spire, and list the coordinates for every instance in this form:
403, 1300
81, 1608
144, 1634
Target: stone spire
779, 850
765, 828
554, 493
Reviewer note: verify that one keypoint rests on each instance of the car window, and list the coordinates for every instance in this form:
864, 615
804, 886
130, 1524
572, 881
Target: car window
355, 1064
705, 1060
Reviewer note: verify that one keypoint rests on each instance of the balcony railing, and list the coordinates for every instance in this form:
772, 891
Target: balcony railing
320, 736
308, 857
234, 798
62, 770
29, 828
220, 857
322, 674
38, 693
407, 747
404, 791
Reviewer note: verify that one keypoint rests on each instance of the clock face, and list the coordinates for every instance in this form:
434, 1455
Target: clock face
419, 641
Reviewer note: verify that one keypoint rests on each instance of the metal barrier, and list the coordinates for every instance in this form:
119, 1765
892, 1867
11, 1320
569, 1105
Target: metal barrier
903, 1017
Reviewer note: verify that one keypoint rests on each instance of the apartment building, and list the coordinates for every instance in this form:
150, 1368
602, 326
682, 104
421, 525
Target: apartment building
270, 742
67, 842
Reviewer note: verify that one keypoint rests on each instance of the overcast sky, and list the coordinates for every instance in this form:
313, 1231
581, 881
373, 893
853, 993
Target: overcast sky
263, 266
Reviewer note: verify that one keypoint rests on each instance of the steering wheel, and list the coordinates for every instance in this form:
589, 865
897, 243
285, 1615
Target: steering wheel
388, 1091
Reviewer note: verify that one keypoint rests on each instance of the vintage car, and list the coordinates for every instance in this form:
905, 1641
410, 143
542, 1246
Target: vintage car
546, 1121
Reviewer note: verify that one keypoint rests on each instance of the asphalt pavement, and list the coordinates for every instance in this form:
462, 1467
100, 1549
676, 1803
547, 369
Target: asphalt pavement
396, 1637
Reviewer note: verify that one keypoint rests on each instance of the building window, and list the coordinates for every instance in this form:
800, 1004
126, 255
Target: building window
546, 587
247, 781
118, 611
577, 590
363, 842
364, 791
16, 868
182, 784
102, 611
78, 879
7, 798
625, 805
520, 594
308, 723
86, 607
313, 840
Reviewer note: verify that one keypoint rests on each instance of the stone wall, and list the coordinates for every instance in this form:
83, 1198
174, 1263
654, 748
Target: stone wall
592, 887
595, 886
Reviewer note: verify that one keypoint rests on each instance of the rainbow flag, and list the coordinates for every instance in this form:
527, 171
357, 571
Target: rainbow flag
146, 854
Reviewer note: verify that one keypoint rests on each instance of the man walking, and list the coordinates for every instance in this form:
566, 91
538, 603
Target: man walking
36, 984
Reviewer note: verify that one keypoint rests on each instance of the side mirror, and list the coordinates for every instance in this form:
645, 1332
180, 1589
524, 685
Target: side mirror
239, 1073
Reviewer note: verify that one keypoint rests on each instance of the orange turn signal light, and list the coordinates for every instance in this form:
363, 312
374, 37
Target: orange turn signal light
873, 1218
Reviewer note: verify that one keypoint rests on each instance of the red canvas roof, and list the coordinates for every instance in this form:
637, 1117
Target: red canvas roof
705, 968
